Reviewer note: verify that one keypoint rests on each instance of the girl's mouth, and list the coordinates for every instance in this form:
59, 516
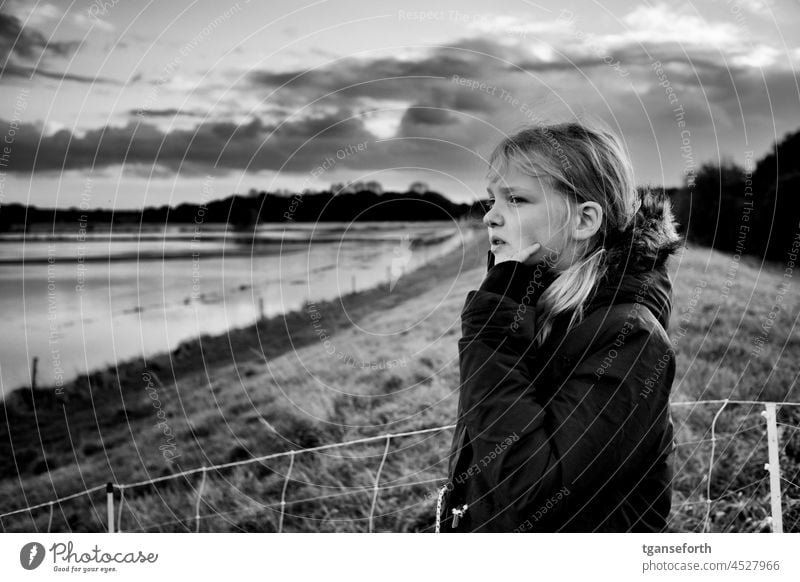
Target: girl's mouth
496, 241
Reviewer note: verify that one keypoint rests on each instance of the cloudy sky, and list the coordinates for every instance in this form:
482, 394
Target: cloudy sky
120, 103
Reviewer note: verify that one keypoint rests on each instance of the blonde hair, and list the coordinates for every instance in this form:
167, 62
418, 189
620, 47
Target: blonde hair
583, 164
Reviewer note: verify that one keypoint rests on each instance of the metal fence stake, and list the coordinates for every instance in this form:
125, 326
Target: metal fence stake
774, 468
199, 499
283, 492
377, 483
110, 506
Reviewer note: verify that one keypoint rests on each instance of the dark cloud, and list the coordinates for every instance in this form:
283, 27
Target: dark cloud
434, 116
382, 78
710, 82
25, 72
341, 126
428, 80
716, 94
628, 56
717, 91
28, 43
169, 112
23, 48
468, 101
227, 145
668, 53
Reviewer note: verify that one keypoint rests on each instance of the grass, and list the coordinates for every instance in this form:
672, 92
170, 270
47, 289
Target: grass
276, 387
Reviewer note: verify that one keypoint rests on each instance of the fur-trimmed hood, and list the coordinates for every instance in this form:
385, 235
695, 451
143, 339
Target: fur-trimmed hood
636, 258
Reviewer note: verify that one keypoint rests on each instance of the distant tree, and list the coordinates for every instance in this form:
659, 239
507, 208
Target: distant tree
418, 188
778, 219
783, 161
244, 212
374, 186
715, 205
777, 198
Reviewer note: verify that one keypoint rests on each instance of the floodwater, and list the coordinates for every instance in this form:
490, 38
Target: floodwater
80, 305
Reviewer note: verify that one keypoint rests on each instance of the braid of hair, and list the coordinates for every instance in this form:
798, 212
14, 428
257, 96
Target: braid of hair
569, 292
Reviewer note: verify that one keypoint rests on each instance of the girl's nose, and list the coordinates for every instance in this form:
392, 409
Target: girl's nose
492, 217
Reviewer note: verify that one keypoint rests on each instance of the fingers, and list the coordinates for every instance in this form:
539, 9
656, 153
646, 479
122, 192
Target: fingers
527, 252
522, 256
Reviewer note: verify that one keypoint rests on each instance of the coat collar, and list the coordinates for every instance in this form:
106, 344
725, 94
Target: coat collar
636, 258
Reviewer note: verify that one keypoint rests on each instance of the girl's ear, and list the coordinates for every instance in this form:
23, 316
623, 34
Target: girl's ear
588, 220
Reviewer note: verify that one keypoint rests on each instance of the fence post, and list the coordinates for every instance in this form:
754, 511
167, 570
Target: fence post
377, 482
774, 467
119, 511
199, 499
711, 465
110, 506
33, 373
283, 492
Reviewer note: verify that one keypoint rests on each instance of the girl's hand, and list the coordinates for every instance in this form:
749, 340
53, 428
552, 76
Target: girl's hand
523, 255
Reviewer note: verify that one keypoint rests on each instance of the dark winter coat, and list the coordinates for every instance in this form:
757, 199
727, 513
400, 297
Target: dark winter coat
574, 436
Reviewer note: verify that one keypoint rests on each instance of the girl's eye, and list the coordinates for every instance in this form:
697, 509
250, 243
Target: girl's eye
514, 200
490, 202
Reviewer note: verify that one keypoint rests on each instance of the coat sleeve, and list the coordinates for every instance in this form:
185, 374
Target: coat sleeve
527, 454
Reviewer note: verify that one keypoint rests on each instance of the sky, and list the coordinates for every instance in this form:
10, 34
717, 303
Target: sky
127, 103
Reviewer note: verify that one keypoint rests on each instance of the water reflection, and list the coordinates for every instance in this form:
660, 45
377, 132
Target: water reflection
80, 306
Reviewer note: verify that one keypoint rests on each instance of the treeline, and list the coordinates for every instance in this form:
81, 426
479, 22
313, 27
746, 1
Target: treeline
747, 210
751, 210
247, 211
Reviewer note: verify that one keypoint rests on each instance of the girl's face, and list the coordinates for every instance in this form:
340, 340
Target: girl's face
525, 210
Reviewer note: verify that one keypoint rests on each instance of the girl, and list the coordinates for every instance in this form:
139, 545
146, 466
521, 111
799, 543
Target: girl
565, 362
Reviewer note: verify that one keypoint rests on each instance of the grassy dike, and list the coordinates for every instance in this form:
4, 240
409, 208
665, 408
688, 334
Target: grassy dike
222, 400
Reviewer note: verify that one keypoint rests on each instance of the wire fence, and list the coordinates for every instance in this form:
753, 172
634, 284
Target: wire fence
114, 509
